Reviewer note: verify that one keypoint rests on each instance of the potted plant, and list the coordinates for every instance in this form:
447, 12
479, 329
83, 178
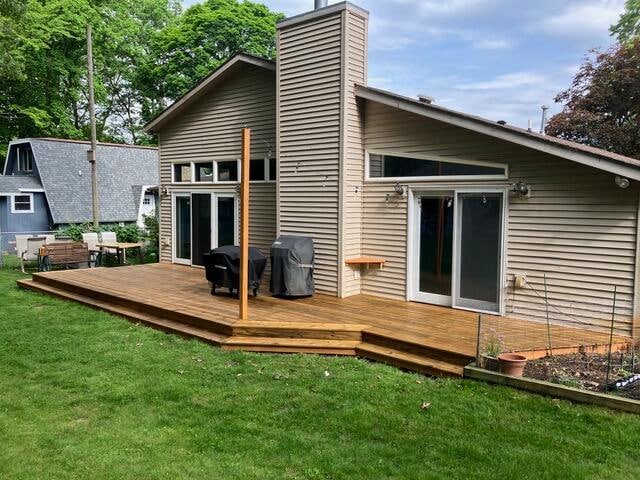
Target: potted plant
512, 364
493, 346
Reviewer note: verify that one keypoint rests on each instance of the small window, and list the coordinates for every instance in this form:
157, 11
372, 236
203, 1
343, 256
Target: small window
25, 160
391, 166
22, 204
273, 169
204, 172
228, 171
256, 172
146, 201
182, 172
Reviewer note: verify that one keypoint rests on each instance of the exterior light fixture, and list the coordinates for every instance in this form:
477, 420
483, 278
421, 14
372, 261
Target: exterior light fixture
521, 189
399, 189
622, 182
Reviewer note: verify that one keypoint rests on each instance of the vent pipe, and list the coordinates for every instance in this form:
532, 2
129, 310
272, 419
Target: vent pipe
321, 3
543, 122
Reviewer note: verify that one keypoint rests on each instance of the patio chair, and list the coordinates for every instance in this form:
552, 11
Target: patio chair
106, 237
28, 247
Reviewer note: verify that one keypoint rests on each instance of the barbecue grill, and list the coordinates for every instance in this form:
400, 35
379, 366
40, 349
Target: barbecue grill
222, 266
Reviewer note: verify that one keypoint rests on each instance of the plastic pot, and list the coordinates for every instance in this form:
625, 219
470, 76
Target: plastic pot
512, 364
490, 363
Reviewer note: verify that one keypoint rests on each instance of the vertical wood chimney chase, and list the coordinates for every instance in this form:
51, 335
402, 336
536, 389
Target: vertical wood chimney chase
322, 55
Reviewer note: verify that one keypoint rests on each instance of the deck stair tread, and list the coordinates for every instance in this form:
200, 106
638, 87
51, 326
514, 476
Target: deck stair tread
292, 342
409, 361
151, 320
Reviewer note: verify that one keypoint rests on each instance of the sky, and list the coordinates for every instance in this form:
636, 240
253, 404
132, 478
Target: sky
499, 59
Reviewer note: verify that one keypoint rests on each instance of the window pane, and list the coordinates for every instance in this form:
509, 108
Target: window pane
392, 166
273, 169
436, 244
182, 172
183, 227
204, 172
256, 172
228, 171
22, 202
226, 221
201, 226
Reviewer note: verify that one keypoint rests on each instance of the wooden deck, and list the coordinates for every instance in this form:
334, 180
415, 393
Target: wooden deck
431, 339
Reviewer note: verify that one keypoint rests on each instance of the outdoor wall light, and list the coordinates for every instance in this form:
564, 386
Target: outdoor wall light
622, 182
522, 189
399, 189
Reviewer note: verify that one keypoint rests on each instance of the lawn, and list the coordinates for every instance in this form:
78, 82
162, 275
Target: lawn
84, 394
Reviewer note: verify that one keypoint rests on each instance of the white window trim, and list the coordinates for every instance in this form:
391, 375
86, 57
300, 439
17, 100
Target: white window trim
13, 202
215, 181
434, 158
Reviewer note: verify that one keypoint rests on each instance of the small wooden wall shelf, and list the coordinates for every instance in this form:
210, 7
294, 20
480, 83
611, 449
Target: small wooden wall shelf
367, 261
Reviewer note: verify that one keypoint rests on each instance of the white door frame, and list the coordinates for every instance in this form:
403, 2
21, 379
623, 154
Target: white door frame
227, 193
413, 243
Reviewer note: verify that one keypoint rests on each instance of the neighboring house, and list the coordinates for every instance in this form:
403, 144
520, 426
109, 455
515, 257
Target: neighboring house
47, 184
465, 212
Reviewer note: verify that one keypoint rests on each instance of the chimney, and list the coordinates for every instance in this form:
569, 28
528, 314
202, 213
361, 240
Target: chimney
321, 4
322, 56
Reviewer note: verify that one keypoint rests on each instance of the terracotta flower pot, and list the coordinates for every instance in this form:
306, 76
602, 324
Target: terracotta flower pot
512, 364
490, 363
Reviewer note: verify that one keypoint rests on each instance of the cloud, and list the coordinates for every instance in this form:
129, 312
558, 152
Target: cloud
492, 44
506, 81
585, 19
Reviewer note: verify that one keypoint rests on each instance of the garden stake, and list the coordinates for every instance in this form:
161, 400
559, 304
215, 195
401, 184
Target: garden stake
478, 340
613, 316
546, 304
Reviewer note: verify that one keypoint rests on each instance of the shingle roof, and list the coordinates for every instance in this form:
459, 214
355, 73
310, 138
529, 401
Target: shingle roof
66, 178
17, 183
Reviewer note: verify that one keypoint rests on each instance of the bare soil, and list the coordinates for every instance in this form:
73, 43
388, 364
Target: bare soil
588, 371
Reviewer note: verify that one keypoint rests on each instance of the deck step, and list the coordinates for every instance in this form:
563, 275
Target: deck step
133, 315
220, 326
409, 361
323, 331
408, 345
292, 345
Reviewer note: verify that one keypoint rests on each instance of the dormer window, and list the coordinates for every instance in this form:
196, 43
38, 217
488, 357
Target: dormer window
25, 160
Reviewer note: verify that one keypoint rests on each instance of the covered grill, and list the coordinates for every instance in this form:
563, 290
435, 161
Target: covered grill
222, 266
292, 266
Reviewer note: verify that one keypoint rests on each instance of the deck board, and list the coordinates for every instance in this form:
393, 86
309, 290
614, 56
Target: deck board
176, 288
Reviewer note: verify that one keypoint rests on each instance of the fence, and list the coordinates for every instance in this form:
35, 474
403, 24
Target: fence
8, 242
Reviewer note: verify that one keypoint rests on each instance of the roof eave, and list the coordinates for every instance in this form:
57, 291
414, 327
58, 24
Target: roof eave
216, 76
498, 131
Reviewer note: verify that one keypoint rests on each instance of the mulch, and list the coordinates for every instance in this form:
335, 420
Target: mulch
587, 371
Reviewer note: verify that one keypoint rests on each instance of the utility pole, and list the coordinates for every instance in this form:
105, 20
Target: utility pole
91, 154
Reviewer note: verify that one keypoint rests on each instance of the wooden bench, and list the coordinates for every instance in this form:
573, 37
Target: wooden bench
65, 254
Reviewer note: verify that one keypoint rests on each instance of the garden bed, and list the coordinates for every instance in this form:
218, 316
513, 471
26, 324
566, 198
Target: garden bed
588, 372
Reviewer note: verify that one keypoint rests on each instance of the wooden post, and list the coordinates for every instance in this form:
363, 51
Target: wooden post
94, 137
244, 225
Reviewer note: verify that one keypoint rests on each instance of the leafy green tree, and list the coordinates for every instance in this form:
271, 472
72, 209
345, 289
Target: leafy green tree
602, 106
628, 26
201, 39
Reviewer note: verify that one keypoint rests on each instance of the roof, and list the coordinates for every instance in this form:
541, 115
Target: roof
594, 157
12, 184
65, 174
206, 84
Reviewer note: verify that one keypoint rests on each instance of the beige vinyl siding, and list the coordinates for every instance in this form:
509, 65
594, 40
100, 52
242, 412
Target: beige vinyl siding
309, 91
353, 170
578, 227
210, 130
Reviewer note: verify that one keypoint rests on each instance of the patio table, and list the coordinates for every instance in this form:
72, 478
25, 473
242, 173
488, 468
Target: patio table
121, 248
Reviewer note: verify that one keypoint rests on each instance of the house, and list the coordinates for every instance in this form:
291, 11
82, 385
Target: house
404, 199
46, 184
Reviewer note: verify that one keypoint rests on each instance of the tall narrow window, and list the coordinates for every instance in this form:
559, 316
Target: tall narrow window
273, 169
25, 160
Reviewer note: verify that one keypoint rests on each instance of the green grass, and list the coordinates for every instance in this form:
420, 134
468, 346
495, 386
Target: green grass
87, 395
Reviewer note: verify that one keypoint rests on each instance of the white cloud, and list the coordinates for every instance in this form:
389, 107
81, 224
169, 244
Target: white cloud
506, 81
585, 19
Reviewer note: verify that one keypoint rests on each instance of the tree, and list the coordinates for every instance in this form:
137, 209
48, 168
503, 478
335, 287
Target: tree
628, 26
602, 106
201, 39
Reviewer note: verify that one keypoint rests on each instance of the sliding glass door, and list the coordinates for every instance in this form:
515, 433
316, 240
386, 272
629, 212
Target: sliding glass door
203, 221
456, 254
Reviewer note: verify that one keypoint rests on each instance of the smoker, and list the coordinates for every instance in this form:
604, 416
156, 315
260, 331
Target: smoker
292, 266
222, 267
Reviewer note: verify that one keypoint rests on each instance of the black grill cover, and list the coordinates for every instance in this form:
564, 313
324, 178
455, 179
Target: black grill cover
292, 266
222, 266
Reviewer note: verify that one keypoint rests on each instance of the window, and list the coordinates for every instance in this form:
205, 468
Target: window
22, 204
228, 171
256, 172
182, 172
204, 172
25, 160
146, 201
273, 169
392, 166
